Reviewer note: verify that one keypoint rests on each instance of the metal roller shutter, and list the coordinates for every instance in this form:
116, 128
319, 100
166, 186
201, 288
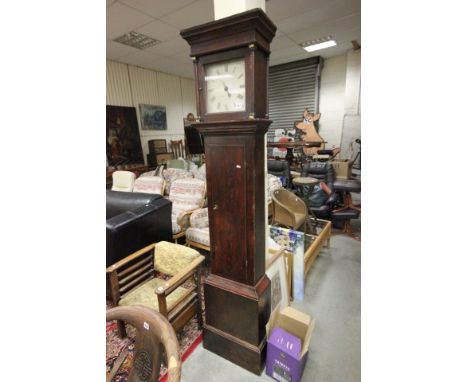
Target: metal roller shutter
291, 88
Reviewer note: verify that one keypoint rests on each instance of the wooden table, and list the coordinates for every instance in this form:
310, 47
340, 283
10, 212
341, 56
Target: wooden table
322, 239
289, 146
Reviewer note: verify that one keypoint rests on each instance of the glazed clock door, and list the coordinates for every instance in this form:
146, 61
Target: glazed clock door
225, 161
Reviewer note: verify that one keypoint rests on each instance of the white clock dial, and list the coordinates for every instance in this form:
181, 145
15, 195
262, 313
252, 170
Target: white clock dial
225, 86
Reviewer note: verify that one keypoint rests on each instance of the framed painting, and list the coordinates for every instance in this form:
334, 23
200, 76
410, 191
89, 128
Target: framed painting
123, 144
276, 272
153, 117
293, 242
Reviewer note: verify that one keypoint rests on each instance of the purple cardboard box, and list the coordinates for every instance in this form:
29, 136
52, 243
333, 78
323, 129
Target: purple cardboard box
289, 334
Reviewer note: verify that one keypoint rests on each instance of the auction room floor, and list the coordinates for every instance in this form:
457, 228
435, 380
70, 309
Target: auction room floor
333, 297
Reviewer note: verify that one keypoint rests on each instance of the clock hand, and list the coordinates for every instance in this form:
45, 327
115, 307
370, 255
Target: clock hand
227, 90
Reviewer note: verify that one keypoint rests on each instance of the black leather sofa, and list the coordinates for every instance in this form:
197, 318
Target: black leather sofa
134, 220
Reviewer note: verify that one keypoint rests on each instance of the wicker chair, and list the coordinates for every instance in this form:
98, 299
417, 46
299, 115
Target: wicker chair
288, 209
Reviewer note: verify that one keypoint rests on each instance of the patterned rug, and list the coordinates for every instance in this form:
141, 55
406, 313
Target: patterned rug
189, 338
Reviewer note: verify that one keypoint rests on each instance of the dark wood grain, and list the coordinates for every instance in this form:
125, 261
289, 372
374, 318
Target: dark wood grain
237, 292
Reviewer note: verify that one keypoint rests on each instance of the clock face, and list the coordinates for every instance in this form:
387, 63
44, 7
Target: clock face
225, 86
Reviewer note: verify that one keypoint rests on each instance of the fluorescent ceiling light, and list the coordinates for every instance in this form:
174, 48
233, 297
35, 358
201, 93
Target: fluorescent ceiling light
137, 40
311, 47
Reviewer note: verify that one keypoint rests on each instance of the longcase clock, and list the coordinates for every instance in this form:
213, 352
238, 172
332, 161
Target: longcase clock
231, 71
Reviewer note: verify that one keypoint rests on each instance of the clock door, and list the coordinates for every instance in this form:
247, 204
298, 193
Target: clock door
227, 181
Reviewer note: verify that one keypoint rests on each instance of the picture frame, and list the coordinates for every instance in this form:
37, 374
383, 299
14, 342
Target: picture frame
276, 272
123, 142
157, 146
293, 242
153, 117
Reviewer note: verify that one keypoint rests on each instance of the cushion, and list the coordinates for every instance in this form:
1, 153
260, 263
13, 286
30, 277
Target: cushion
199, 218
123, 181
171, 174
273, 183
149, 185
148, 173
145, 295
198, 235
170, 258
187, 194
199, 172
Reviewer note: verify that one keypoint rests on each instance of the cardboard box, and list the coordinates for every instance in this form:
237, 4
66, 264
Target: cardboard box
289, 332
342, 168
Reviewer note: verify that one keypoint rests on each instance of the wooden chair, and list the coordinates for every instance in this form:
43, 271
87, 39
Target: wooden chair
178, 149
154, 337
134, 281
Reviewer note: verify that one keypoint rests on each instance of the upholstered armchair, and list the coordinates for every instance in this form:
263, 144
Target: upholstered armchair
164, 277
280, 168
186, 195
149, 185
198, 234
323, 171
172, 174
123, 181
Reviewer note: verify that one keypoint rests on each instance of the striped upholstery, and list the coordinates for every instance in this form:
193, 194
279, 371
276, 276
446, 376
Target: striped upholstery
198, 235
172, 174
185, 195
149, 185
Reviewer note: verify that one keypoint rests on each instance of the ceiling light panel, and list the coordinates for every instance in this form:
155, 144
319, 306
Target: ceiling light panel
137, 40
322, 43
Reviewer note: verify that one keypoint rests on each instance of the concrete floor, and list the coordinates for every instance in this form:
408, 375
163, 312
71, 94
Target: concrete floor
333, 297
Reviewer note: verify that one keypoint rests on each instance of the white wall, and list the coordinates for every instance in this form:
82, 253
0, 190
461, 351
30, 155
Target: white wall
129, 85
339, 101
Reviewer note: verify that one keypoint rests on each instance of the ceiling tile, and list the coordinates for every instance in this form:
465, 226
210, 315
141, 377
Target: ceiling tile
183, 58
280, 9
122, 19
287, 52
159, 30
171, 47
115, 50
142, 58
199, 12
332, 28
281, 43
157, 8
325, 15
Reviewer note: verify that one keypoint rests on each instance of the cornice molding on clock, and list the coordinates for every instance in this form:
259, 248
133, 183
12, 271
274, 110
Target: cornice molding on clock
246, 28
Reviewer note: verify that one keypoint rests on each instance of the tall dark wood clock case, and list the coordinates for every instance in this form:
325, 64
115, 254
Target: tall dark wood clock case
233, 119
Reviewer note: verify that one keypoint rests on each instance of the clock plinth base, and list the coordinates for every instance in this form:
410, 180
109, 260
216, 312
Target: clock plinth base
243, 354
236, 315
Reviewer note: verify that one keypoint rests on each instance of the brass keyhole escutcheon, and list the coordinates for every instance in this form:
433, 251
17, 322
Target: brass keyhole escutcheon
215, 207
